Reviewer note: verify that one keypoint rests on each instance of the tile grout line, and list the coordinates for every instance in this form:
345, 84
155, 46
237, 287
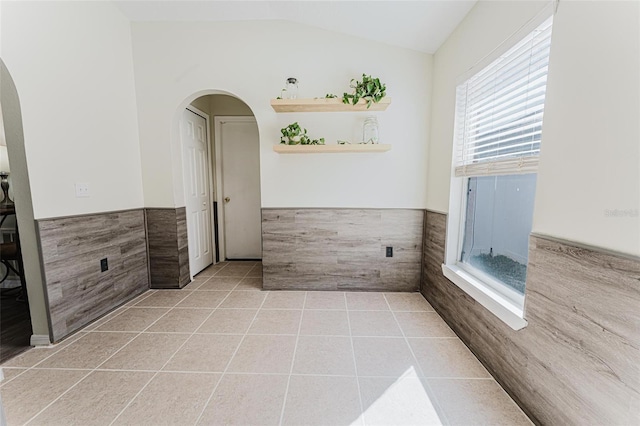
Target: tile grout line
123, 309
293, 360
102, 363
172, 355
505, 393
78, 336
205, 280
170, 308
95, 330
421, 374
211, 276
52, 354
260, 334
6, 381
150, 291
34, 366
371, 376
240, 373
213, 391
223, 266
355, 363
108, 317
124, 370
59, 396
405, 335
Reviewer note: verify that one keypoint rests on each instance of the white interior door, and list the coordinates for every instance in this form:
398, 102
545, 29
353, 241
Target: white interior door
193, 131
240, 164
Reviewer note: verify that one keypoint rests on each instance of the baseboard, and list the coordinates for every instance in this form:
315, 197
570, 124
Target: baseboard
40, 340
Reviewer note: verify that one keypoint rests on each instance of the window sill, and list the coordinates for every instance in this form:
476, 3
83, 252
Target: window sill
497, 304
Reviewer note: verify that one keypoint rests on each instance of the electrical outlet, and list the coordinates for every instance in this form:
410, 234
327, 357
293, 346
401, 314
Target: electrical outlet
389, 251
104, 265
82, 190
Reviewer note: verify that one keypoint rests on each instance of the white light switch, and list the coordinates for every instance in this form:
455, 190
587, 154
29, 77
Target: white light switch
82, 190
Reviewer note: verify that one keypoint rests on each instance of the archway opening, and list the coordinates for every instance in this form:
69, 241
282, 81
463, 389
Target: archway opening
220, 158
21, 255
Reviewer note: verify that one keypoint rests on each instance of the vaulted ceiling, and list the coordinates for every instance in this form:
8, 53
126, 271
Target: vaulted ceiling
421, 25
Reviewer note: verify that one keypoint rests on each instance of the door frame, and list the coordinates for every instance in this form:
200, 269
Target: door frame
209, 176
41, 331
218, 121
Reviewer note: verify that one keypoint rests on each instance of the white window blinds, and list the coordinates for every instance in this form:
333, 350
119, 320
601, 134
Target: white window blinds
499, 110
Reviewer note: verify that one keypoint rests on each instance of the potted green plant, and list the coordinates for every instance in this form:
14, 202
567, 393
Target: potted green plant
369, 89
293, 134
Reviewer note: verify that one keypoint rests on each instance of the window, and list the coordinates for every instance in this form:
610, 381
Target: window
498, 130
498, 219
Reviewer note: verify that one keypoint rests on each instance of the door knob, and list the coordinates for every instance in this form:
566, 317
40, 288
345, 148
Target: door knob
227, 199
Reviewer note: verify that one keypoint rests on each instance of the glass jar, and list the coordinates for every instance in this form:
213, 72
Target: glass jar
291, 88
370, 132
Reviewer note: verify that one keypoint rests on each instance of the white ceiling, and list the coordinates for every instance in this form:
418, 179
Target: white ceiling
420, 24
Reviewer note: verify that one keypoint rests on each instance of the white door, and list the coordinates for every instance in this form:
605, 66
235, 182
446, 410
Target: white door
193, 131
240, 155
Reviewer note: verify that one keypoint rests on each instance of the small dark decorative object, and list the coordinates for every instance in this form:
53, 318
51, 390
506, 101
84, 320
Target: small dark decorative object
4, 183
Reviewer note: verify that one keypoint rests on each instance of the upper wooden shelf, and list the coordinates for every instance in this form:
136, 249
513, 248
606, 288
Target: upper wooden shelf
325, 105
326, 149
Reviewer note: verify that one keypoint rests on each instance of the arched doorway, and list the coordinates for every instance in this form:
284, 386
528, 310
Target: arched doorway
14, 137
222, 199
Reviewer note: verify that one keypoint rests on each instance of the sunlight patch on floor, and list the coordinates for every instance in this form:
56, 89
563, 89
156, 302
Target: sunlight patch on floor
404, 402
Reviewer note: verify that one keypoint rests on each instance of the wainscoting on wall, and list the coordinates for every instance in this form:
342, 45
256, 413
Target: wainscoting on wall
168, 247
78, 292
578, 360
341, 249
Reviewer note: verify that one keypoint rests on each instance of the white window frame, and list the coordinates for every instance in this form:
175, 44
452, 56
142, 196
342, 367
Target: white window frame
503, 302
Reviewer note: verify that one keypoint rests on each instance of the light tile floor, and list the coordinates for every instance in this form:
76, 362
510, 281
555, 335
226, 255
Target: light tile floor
221, 351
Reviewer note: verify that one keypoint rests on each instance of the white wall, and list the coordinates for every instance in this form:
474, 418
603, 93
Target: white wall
590, 159
73, 69
176, 62
592, 105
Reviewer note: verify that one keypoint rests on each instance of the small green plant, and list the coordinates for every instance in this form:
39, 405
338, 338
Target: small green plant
293, 134
369, 89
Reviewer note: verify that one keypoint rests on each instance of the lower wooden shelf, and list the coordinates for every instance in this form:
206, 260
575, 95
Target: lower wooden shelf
330, 149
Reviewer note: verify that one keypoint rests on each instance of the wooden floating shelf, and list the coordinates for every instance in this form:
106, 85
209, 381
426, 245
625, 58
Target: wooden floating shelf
330, 149
326, 105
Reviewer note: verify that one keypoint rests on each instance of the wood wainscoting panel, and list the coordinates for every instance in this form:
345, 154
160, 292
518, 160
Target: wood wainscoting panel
578, 360
168, 248
184, 277
342, 249
72, 247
